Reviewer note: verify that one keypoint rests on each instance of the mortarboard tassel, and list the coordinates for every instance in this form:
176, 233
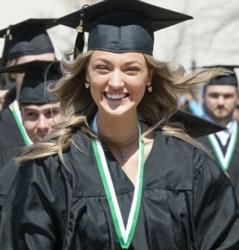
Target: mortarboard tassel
80, 39
7, 44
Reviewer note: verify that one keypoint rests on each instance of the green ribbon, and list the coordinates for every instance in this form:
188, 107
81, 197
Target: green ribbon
17, 117
124, 235
225, 161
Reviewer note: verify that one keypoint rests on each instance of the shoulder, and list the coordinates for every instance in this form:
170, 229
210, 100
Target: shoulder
56, 165
41, 179
173, 162
47, 164
9, 132
6, 117
174, 146
7, 173
42, 170
5, 114
38, 184
190, 165
183, 152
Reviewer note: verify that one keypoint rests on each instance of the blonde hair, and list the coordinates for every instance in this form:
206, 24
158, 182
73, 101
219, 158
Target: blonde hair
78, 107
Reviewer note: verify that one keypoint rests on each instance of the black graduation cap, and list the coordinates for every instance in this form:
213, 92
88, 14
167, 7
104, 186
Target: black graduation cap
195, 126
120, 25
39, 76
27, 38
230, 79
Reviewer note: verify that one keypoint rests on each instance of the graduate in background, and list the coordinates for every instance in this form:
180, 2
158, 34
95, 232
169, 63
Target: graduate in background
117, 174
34, 95
220, 98
39, 110
24, 42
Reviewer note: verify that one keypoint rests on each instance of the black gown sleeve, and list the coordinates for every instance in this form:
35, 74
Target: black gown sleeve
215, 211
11, 141
7, 174
34, 214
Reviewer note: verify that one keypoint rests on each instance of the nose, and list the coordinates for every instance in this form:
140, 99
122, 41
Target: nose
220, 100
43, 125
116, 79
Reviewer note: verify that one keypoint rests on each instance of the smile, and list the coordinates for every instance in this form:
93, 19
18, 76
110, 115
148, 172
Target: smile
115, 96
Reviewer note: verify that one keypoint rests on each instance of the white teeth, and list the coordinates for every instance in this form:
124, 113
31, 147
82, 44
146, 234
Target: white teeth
115, 96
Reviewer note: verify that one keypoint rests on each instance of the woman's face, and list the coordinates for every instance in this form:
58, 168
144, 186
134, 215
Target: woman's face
117, 81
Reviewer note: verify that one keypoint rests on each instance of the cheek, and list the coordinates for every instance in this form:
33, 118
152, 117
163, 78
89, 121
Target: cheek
29, 125
232, 103
140, 93
57, 118
210, 102
99, 82
93, 94
96, 90
140, 87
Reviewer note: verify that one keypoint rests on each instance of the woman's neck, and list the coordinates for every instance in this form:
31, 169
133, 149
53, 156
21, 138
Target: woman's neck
118, 131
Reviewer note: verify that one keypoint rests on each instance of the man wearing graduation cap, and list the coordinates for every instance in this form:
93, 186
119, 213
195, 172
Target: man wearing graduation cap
39, 110
25, 41
220, 98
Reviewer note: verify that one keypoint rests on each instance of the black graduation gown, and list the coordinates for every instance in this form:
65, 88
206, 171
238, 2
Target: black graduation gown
7, 175
233, 169
11, 140
187, 202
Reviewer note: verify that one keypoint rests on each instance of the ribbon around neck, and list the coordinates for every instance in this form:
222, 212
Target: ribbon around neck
124, 234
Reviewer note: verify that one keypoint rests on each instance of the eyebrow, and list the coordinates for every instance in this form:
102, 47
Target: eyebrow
109, 62
218, 93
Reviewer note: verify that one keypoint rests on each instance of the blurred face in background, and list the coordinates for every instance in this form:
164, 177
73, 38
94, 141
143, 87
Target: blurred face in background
220, 101
38, 120
18, 77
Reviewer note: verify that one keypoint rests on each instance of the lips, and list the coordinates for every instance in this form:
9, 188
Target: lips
115, 96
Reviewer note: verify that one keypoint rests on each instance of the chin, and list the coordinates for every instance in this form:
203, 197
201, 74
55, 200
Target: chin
223, 116
115, 113
118, 110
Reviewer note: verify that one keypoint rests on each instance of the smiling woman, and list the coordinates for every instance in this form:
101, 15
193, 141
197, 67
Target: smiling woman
117, 82
117, 174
